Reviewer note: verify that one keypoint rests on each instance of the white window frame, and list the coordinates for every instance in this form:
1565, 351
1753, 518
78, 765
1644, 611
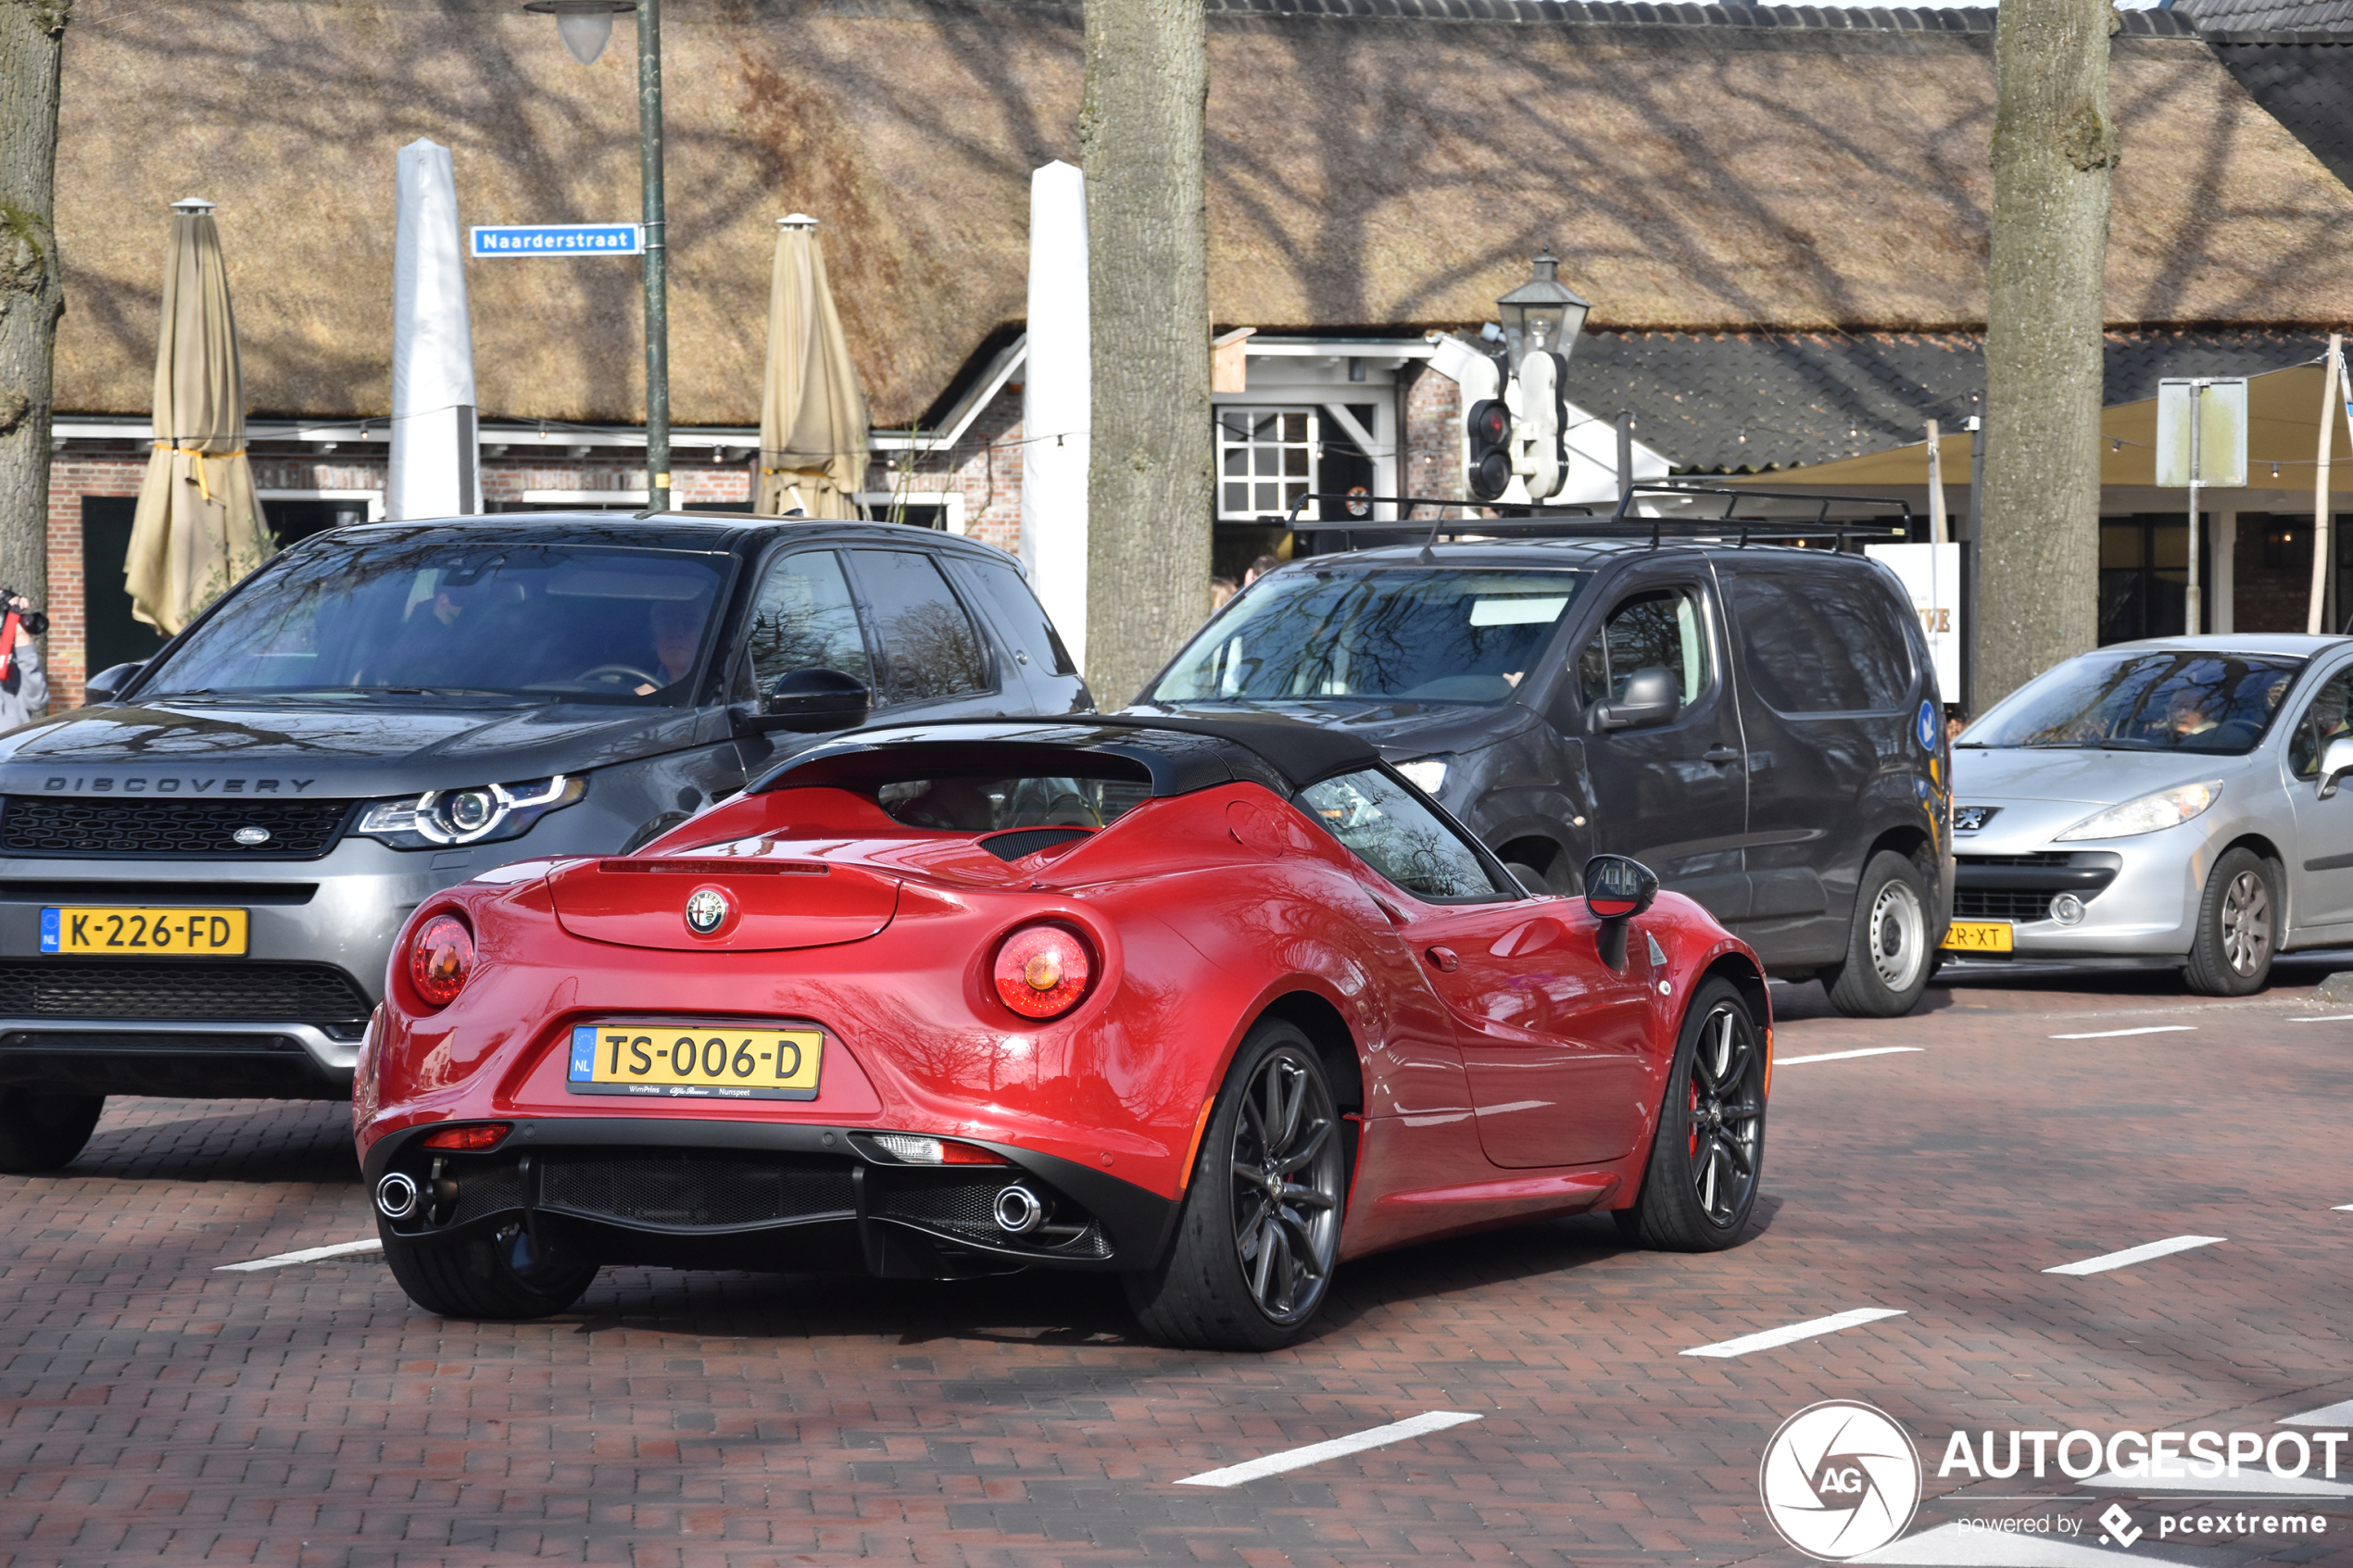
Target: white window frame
950, 503
375, 498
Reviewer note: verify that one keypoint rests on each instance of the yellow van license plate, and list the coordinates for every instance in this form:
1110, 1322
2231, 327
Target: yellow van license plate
1978, 936
695, 1062
161, 933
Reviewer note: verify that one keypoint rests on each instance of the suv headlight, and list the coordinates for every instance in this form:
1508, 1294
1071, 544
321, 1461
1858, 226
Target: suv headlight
1426, 773
479, 814
2166, 808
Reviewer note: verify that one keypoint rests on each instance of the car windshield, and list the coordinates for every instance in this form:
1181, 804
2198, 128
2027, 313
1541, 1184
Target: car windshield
1405, 634
2214, 703
453, 617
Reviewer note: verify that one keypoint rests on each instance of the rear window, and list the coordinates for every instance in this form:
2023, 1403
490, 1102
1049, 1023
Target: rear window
1828, 642
956, 804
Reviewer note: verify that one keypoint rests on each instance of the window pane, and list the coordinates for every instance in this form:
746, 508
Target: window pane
1658, 630
1397, 836
1033, 634
1237, 459
1822, 644
2323, 722
1294, 427
928, 644
1238, 497
1269, 459
804, 620
1266, 501
1295, 461
2219, 704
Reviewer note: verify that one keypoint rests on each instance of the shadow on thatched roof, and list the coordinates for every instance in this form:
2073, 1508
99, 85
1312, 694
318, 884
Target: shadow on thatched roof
1375, 167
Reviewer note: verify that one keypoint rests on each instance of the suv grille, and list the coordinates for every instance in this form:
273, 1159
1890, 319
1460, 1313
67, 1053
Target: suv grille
2000, 903
259, 992
49, 825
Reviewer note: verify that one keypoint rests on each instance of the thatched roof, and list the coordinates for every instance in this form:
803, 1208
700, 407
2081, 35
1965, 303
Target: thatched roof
1793, 170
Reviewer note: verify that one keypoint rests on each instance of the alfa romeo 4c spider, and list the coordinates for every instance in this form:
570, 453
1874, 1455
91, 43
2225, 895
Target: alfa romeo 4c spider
1214, 1006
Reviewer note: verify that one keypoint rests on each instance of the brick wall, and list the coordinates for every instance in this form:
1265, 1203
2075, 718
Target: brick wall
984, 467
1433, 433
71, 477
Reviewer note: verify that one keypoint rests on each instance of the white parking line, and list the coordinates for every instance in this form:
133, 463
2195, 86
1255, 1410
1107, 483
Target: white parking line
1315, 1453
2119, 1033
1843, 1056
2337, 1414
1792, 1333
2338, 1018
2140, 1254
308, 1255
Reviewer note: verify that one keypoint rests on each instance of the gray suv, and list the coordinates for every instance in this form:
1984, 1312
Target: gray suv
202, 872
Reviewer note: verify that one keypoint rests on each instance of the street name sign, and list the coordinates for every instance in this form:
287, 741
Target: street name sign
557, 239
2217, 458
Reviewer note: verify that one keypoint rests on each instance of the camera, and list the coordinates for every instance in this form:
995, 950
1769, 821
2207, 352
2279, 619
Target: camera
32, 621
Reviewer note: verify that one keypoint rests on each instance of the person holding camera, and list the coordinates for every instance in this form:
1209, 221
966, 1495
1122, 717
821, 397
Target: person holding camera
25, 690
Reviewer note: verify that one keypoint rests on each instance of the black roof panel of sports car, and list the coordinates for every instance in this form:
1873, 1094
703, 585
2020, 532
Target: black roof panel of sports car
1179, 755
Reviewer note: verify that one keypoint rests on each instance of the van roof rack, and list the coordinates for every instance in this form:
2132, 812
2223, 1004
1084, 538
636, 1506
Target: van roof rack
1525, 521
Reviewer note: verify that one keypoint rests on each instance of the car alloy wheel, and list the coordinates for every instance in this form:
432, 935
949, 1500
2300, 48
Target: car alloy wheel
2246, 923
1726, 1121
1898, 936
1286, 1186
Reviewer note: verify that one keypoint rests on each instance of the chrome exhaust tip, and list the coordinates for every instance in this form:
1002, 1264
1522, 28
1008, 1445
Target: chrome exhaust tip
396, 1196
1019, 1210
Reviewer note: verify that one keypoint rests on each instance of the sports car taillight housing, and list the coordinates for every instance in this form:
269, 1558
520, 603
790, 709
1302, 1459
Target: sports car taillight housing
441, 959
1043, 971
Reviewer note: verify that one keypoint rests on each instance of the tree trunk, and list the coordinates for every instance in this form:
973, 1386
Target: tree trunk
1141, 127
2054, 146
32, 288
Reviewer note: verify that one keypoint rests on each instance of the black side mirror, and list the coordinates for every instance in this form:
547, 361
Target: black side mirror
811, 701
1616, 890
107, 682
1651, 698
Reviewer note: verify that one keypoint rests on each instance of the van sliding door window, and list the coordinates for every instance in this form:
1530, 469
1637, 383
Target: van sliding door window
1825, 644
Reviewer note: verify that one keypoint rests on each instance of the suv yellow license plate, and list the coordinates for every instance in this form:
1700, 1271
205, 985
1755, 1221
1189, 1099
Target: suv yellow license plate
1978, 936
695, 1060
143, 933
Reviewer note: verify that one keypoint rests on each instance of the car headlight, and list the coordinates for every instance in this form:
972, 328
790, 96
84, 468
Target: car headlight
1426, 773
2166, 808
479, 814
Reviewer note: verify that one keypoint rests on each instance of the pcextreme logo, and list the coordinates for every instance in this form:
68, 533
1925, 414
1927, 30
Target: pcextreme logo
1840, 1479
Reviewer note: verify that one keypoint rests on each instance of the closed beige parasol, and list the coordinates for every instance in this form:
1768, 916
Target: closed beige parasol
812, 421
200, 527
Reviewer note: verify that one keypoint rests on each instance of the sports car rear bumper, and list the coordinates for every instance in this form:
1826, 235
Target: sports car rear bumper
749, 1195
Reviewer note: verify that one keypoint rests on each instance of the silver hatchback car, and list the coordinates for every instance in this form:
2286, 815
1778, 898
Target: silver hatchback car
2172, 801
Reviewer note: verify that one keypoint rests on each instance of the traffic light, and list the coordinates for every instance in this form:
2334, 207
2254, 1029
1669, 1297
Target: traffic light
1491, 448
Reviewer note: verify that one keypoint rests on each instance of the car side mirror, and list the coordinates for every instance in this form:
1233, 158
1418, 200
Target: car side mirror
107, 682
1616, 890
2337, 760
1651, 698
811, 701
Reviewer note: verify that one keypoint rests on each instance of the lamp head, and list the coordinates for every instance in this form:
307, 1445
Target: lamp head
586, 26
1542, 315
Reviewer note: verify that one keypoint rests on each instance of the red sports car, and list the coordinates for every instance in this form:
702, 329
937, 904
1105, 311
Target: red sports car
1212, 1005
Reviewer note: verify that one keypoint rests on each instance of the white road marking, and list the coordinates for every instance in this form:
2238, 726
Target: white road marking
2140, 1254
1315, 1453
1843, 1056
2337, 1414
2119, 1033
2343, 1208
308, 1255
2339, 1018
1791, 1334
1960, 1546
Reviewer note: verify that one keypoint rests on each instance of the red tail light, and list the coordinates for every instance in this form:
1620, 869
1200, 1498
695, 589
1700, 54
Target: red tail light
1043, 971
440, 959
486, 1135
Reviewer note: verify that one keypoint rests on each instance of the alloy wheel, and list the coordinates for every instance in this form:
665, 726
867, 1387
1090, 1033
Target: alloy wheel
1286, 1186
1898, 936
2247, 923
1727, 1120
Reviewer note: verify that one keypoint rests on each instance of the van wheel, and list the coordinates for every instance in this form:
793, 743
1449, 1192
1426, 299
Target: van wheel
2238, 927
477, 1278
1887, 950
41, 1130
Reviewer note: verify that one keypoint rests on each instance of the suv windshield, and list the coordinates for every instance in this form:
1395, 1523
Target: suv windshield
2202, 702
1408, 633
452, 617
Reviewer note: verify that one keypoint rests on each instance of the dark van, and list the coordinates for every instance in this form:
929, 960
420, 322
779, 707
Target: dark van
1757, 723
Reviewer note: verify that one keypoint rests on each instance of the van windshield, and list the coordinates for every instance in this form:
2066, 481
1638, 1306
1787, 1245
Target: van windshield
2219, 704
445, 617
1385, 635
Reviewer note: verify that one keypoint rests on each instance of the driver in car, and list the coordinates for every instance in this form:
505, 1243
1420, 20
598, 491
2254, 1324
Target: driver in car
677, 630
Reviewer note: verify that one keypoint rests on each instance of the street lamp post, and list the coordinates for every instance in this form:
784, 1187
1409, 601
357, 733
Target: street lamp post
586, 26
1519, 432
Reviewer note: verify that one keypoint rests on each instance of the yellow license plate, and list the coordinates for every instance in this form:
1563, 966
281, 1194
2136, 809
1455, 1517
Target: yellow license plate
695, 1060
1978, 936
143, 933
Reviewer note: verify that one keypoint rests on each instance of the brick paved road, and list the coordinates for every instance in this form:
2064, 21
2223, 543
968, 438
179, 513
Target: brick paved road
153, 1410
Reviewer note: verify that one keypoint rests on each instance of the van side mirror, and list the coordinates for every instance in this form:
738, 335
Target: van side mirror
1651, 698
2337, 760
1616, 890
812, 702
105, 685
